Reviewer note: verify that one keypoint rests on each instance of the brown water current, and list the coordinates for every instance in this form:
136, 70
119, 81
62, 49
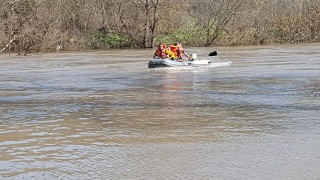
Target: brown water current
253, 114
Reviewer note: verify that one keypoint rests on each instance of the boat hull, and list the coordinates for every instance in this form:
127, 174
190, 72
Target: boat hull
156, 63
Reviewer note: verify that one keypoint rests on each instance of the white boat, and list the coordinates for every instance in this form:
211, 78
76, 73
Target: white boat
155, 63
158, 62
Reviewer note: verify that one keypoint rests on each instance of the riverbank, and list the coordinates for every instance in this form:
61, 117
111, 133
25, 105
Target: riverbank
188, 49
42, 26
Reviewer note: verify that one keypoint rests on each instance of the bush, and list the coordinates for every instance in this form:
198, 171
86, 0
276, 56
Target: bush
103, 40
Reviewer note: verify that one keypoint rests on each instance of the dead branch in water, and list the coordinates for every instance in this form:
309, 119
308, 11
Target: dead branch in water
7, 45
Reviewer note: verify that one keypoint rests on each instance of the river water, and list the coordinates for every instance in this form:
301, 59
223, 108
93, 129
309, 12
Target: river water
253, 114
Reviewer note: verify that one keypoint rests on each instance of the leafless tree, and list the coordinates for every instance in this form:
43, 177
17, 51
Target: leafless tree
43, 25
212, 16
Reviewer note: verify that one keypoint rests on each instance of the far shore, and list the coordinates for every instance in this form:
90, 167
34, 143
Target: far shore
4, 54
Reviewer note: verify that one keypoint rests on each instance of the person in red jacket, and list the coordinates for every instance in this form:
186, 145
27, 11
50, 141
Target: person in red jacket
162, 52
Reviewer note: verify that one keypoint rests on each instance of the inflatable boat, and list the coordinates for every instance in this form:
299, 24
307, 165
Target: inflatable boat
155, 63
158, 62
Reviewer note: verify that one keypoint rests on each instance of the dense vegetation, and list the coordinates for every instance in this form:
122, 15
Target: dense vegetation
44, 25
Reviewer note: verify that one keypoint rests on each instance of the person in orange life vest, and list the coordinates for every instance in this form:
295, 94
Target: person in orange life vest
178, 50
162, 52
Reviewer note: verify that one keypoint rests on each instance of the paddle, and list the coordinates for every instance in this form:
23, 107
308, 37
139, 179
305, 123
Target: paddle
214, 53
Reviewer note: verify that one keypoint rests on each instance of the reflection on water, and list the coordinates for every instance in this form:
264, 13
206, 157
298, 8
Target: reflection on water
252, 115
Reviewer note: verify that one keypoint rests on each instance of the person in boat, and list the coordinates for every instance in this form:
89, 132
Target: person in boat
178, 51
163, 52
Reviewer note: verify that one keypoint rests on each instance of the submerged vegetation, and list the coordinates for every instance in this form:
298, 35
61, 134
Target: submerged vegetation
45, 25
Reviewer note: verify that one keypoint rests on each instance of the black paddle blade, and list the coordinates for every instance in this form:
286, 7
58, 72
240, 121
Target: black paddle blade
214, 53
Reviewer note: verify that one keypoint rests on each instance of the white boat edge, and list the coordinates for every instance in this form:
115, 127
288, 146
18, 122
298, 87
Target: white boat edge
155, 63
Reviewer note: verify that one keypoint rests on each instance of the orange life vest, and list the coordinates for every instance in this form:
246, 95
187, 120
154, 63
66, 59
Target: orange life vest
161, 53
174, 49
177, 50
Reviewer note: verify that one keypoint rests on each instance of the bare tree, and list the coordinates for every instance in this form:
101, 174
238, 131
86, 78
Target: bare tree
212, 16
17, 16
155, 15
42, 25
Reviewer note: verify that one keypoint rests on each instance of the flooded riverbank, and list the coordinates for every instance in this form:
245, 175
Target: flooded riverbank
254, 114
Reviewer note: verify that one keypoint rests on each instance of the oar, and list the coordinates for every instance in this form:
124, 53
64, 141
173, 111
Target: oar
214, 53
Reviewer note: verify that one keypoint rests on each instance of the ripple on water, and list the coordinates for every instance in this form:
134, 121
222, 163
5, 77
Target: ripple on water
252, 115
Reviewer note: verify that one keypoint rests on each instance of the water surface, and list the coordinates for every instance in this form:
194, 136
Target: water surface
253, 114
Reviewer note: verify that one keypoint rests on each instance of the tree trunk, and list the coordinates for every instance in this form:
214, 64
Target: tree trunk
146, 25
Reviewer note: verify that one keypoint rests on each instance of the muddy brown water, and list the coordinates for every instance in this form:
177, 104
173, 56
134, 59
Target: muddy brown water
253, 114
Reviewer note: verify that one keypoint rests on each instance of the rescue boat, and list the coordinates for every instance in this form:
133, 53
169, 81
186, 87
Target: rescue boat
167, 62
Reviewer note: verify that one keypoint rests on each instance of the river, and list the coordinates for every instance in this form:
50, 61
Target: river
253, 114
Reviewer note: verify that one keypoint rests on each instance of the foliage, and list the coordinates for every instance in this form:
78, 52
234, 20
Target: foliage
44, 25
108, 40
